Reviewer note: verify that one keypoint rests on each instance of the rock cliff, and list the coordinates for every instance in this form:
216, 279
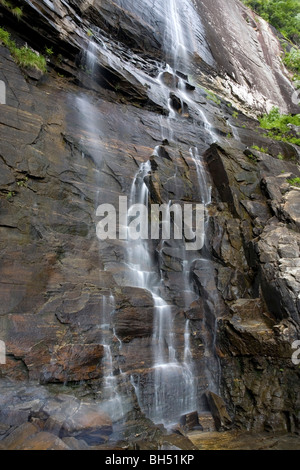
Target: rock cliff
73, 322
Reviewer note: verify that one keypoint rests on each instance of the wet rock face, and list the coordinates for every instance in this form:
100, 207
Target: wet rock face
247, 52
69, 144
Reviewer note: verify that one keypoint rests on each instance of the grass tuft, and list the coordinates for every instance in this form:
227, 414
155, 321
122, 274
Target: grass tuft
24, 56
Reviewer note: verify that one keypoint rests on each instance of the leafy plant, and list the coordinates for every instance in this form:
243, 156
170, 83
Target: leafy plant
278, 126
260, 149
24, 56
17, 12
10, 195
22, 183
283, 15
280, 156
5, 37
48, 51
294, 182
292, 61
6, 4
235, 114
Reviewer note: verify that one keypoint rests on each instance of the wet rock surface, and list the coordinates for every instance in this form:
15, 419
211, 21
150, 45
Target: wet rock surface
58, 280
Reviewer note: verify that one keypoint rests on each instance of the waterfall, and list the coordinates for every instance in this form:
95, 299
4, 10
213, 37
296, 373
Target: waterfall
171, 387
112, 401
175, 385
174, 388
184, 34
212, 365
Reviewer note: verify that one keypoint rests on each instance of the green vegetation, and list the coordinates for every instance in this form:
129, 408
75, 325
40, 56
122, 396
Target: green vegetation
24, 56
294, 182
211, 96
280, 156
260, 149
235, 114
23, 183
283, 15
10, 195
16, 11
27, 58
48, 51
292, 61
252, 157
278, 126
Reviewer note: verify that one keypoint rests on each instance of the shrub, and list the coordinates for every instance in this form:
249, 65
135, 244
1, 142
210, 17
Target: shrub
24, 56
27, 58
279, 121
278, 126
5, 37
283, 15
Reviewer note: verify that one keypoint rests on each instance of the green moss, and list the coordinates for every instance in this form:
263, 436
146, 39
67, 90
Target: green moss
24, 56
212, 97
235, 114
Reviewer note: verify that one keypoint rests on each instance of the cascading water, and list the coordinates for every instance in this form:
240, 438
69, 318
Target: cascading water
211, 359
112, 400
171, 389
184, 33
174, 391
